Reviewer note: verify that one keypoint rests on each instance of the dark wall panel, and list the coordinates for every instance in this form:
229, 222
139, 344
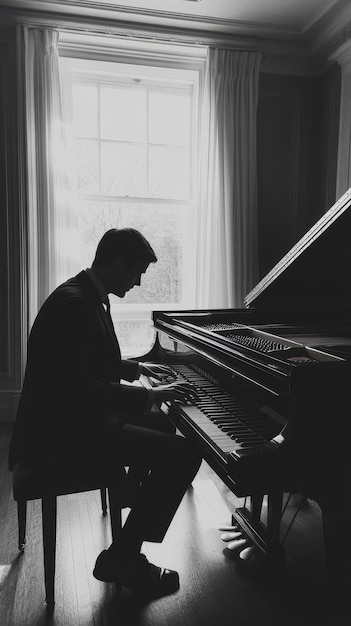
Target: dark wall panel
297, 155
4, 304
277, 159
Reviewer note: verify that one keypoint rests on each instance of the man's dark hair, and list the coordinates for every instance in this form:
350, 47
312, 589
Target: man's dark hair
124, 242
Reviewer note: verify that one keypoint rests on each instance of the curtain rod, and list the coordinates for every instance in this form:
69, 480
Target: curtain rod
165, 38
131, 30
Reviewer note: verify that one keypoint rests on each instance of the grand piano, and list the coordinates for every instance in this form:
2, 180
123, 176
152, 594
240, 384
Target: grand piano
274, 387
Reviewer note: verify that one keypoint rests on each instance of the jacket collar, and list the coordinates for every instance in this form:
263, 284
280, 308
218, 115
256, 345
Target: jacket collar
85, 280
99, 287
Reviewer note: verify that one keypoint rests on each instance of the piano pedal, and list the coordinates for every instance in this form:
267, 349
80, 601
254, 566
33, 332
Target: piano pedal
237, 544
230, 536
247, 553
229, 527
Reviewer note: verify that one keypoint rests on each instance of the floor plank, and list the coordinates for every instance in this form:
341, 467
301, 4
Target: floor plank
216, 587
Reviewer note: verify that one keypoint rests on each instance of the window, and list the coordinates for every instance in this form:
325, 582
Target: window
135, 142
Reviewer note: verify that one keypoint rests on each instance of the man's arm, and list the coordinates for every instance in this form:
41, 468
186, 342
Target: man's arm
88, 372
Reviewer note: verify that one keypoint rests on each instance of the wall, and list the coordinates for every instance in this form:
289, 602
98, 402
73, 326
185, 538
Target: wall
10, 257
297, 156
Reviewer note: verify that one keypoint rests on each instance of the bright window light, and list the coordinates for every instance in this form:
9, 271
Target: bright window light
135, 142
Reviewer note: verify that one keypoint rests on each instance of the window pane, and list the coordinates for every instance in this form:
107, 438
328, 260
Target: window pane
87, 166
169, 115
85, 110
123, 169
169, 172
135, 337
123, 113
163, 228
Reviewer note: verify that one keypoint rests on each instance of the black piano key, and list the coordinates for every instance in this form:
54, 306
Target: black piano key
226, 420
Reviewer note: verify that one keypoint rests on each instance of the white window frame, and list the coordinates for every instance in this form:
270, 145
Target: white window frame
148, 55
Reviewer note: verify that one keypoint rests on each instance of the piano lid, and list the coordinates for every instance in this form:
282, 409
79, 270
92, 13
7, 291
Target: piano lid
317, 270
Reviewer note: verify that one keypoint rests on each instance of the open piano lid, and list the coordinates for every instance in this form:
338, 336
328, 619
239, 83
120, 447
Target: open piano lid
317, 270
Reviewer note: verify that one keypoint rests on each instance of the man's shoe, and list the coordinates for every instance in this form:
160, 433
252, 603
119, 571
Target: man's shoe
146, 578
105, 567
138, 575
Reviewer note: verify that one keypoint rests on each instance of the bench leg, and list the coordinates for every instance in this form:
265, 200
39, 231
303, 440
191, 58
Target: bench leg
22, 518
114, 497
103, 500
49, 511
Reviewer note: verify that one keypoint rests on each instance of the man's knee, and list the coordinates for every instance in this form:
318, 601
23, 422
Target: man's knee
156, 420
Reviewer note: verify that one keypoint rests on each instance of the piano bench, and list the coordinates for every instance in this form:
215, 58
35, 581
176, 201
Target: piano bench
30, 484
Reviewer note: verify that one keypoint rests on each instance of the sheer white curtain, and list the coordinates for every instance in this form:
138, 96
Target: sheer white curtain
227, 248
52, 226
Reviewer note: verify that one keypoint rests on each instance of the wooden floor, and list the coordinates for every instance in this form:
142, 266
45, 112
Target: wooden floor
216, 589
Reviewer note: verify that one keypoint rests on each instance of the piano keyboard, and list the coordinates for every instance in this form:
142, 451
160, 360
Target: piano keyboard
222, 419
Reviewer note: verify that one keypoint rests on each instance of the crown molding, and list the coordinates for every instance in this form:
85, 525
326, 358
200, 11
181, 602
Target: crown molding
340, 38
292, 64
332, 30
284, 54
322, 15
315, 31
343, 55
103, 25
146, 16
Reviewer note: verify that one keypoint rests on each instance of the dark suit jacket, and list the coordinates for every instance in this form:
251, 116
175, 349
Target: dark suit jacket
72, 380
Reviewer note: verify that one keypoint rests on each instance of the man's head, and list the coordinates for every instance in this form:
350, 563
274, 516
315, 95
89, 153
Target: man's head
122, 256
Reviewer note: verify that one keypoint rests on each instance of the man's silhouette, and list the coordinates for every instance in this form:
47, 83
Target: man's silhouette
74, 409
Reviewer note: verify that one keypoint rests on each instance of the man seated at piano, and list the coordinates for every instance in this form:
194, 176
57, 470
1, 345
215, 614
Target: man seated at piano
74, 409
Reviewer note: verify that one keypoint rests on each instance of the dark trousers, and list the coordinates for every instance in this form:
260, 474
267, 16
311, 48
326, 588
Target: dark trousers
165, 462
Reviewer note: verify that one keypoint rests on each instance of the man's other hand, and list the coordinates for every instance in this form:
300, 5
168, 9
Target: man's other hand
183, 392
156, 370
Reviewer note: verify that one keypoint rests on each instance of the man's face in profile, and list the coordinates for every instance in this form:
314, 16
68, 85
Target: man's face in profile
129, 277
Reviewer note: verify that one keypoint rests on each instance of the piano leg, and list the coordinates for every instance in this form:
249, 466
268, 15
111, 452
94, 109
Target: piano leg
274, 512
336, 516
256, 503
263, 527
275, 551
